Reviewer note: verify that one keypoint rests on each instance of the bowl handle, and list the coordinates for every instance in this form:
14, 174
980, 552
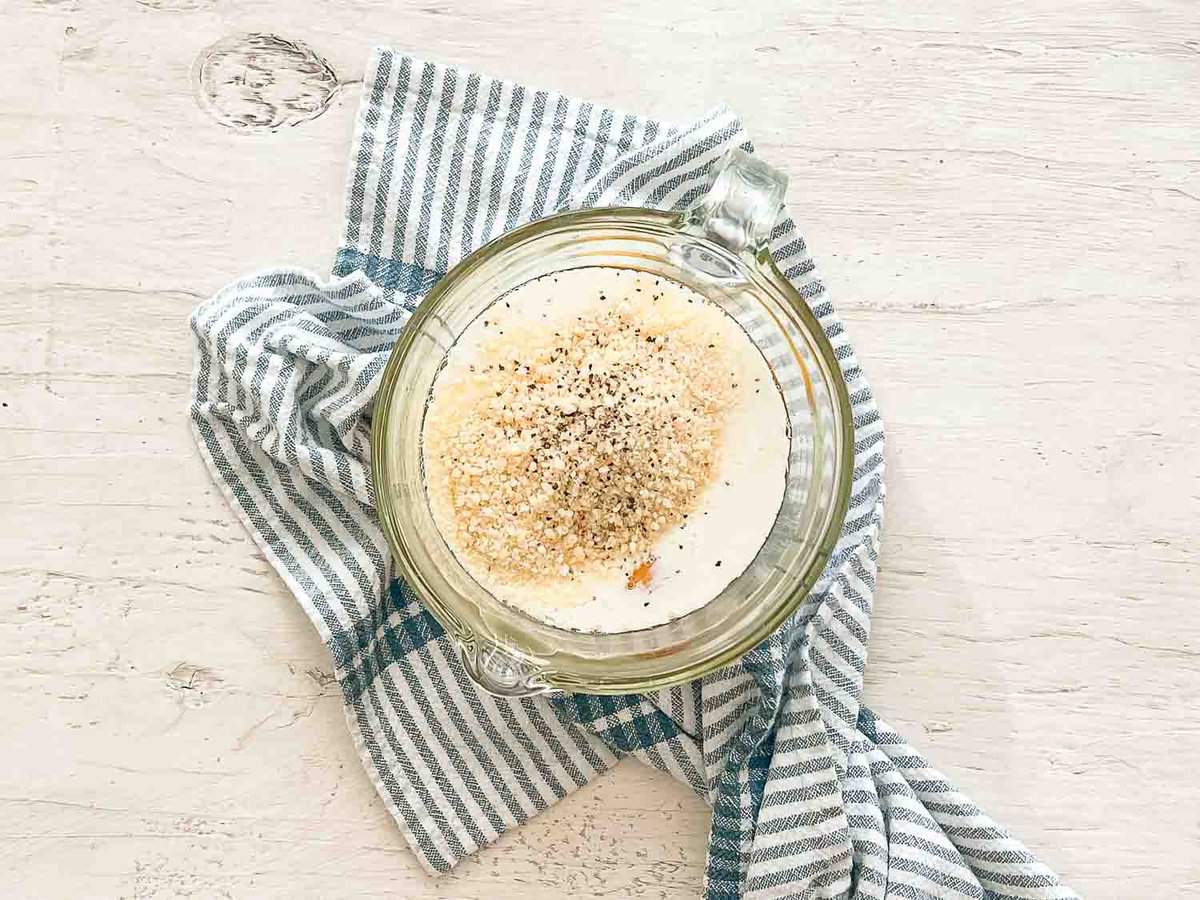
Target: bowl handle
741, 206
500, 671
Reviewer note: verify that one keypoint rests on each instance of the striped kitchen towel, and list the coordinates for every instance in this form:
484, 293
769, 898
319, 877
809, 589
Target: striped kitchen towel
812, 796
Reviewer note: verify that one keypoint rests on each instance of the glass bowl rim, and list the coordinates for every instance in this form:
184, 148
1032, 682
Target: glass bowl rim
619, 217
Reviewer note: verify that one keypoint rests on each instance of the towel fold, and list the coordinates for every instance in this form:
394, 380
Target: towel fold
812, 795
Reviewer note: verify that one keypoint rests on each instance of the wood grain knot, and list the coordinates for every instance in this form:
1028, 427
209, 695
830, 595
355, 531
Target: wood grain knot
261, 82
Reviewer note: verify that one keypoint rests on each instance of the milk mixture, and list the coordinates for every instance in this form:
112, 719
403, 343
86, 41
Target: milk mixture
605, 449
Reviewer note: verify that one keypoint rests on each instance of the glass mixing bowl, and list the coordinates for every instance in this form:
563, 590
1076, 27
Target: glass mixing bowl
718, 248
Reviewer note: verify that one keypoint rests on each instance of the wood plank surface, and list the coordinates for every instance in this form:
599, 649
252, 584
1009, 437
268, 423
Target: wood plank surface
1005, 203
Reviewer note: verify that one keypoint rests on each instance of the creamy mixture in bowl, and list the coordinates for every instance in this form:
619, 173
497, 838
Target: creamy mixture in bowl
605, 449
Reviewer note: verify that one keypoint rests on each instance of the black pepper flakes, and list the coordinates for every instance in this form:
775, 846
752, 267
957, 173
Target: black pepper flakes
640, 399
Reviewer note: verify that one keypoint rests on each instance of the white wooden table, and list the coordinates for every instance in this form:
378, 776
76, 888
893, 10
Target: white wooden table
1005, 202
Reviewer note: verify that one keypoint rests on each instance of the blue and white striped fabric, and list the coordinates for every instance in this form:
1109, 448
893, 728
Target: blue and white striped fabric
812, 795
